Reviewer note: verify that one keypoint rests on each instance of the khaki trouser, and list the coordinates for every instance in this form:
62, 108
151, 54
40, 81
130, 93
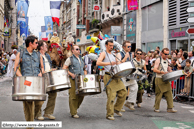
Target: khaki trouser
115, 87
187, 85
50, 104
74, 100
140, 91
31, 109
163, 88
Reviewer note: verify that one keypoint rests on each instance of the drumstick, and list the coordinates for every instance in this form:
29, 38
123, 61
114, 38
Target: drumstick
128, 91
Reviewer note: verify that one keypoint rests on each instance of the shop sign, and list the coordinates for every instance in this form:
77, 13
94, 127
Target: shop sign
176, 33
116, 30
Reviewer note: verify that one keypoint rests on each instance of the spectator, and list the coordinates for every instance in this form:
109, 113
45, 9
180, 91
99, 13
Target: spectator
153, 57
181, 50
176, 51
187, 71
158, 48
191, 57
169, 58
11, 63
183, 63
174, 55
179, 55
181, 66
173, 64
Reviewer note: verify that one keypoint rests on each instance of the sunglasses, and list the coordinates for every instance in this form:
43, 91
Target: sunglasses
139, 53
128, 46
77, 49
166, 54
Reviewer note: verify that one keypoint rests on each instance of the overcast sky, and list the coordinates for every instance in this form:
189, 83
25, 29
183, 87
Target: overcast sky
36, 12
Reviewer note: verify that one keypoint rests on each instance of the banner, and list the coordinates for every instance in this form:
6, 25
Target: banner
22, 0
49, 35
132, 5
131, 27
24, 28
48, 23
43, 29
22, 10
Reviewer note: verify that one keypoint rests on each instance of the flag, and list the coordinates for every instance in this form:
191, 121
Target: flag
43, 29
80, 1
55, 10
5, 22
24, 28
48, 23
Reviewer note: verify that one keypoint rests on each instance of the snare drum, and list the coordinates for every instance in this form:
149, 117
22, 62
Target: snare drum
88, 84
172, 75
122, 70
57, 80
28, 88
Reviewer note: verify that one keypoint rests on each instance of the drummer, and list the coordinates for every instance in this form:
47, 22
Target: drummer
163, 88
48, 111
76, 67
124, 56
31, 65
114, 86
140, 66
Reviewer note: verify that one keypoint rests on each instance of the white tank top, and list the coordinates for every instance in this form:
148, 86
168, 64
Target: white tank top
108, 58
163, 66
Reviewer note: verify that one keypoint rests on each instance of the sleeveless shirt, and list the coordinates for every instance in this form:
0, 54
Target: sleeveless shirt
108, 58
163, 63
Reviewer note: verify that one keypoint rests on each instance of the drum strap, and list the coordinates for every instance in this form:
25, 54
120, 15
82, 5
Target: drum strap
137, 62
110, 61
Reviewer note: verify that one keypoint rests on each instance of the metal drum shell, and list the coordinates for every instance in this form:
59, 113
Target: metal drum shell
36, 91
88, 85
123, 69
57, 80
172, 75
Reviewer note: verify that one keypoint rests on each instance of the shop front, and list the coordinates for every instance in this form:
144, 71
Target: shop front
179, 39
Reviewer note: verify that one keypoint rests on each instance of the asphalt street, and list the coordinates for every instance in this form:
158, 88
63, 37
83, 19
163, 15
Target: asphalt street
93, 112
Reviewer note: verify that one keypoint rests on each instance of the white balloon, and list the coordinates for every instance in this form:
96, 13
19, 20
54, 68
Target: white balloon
93, 56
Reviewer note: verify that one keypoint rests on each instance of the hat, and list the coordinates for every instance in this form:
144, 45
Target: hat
14, 50
55, 33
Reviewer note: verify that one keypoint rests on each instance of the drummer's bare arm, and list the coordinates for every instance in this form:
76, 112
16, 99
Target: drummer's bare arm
18, 73
71, 74
85, 72
119, 58
101, 58
157, 63
42, 67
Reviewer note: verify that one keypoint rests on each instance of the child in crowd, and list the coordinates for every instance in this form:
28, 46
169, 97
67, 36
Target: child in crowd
187, 71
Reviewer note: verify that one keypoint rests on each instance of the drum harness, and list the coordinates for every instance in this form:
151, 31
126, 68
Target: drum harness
76, 76
111, 69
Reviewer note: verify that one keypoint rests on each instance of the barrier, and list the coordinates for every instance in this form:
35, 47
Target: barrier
178, 86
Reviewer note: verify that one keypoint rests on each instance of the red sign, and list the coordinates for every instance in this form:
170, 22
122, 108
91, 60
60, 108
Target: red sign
96, 7
190, 31
27, 83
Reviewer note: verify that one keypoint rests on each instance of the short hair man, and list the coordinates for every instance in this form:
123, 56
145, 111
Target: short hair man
113, 85
163, 88
48, 111
31, 65
125, 55
76, 67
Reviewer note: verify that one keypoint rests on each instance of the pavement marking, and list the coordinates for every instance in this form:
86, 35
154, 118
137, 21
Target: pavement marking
173, 124
187, 107
192, 111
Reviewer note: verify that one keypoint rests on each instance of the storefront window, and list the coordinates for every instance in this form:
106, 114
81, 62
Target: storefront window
183, 44
152, 46
192, 40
